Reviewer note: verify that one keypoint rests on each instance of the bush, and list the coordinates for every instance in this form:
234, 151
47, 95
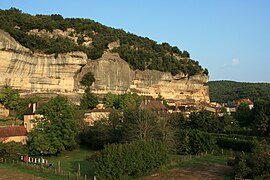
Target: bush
236, 144
12, 150
137, 158
195, 142
254, 164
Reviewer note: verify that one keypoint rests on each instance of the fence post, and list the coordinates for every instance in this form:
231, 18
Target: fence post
59, 167
79, 170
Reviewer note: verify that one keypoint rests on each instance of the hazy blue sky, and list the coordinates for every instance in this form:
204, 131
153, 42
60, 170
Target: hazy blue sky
229, 37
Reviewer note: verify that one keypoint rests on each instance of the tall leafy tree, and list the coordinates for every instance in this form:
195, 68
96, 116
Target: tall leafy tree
9, 97
244, 115
87, 80
59, 130
89, 100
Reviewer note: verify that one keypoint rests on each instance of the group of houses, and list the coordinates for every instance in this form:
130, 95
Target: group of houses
19, 133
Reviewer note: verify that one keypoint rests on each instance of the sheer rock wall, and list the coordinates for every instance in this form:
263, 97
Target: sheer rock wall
40, 73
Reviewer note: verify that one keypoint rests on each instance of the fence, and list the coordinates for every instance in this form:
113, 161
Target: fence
41, 168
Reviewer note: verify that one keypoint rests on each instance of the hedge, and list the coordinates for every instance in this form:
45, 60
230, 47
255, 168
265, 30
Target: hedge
136, 158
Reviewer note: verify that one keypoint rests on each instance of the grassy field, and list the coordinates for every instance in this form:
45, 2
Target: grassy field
10, 172
203, 167
209, 166
69, 161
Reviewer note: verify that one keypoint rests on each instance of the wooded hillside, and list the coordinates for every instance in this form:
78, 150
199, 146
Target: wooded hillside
140, 52
224, 91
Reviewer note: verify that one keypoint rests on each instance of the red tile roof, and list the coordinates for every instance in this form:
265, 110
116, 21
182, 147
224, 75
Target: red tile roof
246, 101
152, 105
10, 131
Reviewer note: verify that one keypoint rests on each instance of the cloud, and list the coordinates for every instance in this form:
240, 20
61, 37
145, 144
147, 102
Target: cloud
235, 61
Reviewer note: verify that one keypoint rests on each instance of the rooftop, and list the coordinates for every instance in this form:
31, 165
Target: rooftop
10, 131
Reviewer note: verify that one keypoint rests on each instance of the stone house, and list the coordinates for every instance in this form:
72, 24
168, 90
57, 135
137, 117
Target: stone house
95, 115
30, 115
153, 105
245, 101
3, 111
13, 133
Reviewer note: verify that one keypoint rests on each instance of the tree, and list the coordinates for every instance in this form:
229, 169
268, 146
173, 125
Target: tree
89, 100
241, 168
243, 115
58, 131
87, 80
109, 100
9, 97
261, 123
139, 125
168, 133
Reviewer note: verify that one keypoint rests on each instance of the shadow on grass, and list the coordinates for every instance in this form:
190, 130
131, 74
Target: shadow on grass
87, 167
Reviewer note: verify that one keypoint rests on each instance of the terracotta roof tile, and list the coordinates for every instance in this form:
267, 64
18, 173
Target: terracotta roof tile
10, 131
152, 105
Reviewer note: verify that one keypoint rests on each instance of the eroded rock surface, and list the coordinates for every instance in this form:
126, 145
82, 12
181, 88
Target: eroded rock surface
41, 73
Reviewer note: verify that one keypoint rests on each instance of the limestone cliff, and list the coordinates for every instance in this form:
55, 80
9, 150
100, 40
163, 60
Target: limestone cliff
114, 75
37, 72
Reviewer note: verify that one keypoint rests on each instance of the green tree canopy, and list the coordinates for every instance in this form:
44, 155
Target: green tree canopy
89, 100
59, 130
88, 79
9, 97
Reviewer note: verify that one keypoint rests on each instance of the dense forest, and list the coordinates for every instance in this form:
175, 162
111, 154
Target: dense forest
140, 52
224, 91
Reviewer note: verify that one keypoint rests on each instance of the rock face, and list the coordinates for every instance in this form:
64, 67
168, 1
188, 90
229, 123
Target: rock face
114, 75
36, 72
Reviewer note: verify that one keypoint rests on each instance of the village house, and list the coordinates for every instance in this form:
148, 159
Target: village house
30, 116
95, 115
13, 133
245, 101
153, 105
3, 111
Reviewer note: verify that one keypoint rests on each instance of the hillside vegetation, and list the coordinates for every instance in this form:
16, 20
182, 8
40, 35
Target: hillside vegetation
140, 52
224, 91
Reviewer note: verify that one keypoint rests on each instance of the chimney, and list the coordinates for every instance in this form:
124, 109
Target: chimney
145, 102
34, 107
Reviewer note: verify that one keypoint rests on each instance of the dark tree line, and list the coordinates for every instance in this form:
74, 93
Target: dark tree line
225, 91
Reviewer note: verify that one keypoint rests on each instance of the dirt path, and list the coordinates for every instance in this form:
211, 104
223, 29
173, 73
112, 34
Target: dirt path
10, 175
208, 172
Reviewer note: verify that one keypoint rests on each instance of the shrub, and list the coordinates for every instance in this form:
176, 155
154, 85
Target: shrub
139, 157
194, 142
236, 144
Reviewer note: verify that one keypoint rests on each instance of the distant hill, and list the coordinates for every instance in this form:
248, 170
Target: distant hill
54, 34
224, 91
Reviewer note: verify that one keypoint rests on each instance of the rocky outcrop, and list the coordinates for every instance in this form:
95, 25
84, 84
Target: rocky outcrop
114, 75
36, 72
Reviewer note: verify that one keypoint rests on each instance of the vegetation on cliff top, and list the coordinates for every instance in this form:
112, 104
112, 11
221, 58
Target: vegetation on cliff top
224, 91
140, 52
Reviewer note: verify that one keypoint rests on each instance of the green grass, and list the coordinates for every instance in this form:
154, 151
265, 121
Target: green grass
70, 160
15, 170
185, 161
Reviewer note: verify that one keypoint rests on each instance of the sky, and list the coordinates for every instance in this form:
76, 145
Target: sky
231, 38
